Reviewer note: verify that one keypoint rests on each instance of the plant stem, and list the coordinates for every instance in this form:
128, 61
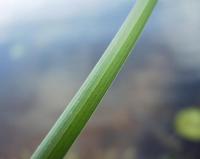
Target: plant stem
79, 110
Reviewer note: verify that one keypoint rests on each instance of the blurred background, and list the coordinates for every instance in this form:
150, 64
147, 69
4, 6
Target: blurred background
47, 49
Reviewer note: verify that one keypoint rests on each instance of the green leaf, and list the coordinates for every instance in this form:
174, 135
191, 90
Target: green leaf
79, 110
187, 124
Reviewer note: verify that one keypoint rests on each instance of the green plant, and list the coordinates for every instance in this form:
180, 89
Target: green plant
187, 123
73, 119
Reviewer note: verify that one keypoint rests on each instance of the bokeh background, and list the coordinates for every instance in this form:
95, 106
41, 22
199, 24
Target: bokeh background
47, 49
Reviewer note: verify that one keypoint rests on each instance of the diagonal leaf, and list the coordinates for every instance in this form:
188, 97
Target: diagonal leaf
79, 110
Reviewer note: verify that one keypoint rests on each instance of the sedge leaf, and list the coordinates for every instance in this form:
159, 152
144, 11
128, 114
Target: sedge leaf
79, 110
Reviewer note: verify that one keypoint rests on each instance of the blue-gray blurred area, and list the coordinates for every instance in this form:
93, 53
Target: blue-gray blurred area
47, 49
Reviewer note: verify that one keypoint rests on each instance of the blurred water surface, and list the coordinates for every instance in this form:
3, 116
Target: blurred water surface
47, 49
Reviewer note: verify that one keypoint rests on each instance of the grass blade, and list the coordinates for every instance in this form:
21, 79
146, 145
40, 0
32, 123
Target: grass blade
77, 113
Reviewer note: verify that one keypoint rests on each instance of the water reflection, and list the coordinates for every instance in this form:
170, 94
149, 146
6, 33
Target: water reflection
47, 48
